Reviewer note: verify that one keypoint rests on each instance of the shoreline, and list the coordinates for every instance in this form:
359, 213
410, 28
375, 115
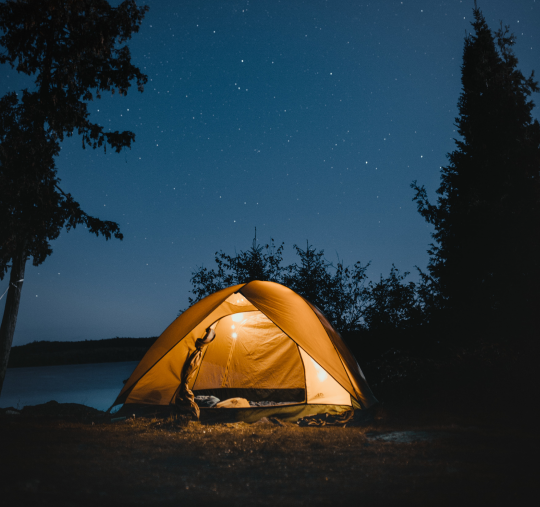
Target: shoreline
57, 353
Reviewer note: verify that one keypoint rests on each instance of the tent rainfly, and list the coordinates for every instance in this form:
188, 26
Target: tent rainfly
259, 341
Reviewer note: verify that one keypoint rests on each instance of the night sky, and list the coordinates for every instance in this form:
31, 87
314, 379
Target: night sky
305, 119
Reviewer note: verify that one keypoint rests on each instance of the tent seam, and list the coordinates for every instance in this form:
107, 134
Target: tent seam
303, 366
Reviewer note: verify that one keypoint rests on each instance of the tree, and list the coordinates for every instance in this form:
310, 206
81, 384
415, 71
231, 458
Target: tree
338, 291
393, 305
257, 263
339, 294
70, 47
485, 261
311, 278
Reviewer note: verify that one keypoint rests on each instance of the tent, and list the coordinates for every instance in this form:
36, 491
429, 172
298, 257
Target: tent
260, 341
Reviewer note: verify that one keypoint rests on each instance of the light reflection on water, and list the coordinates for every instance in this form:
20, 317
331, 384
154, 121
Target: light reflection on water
95, 385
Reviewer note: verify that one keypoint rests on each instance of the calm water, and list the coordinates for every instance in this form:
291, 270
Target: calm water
94, 385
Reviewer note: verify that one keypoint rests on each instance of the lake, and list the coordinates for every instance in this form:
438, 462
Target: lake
95, 385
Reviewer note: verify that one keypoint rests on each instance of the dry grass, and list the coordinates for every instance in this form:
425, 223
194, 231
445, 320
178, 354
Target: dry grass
153, 462
468, 453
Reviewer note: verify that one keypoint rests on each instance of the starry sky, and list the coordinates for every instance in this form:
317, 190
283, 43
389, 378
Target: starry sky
305, 119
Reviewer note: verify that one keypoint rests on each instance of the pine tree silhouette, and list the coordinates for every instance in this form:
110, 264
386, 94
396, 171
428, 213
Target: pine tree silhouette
486, 257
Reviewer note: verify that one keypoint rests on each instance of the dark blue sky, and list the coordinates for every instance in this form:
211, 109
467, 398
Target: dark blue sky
305, 119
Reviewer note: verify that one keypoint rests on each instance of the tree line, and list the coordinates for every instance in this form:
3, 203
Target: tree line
354, 304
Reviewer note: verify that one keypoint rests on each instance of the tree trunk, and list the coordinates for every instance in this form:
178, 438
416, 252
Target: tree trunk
7, 329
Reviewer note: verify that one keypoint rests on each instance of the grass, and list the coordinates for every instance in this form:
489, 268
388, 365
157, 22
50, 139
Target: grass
474, 452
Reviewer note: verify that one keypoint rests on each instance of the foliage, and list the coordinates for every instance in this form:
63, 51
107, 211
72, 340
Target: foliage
341, 292
70, 48
338, 291
393, 304
32, 204
485, 261
257, 263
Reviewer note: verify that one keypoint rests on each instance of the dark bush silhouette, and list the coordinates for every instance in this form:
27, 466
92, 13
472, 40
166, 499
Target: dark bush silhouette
379, 316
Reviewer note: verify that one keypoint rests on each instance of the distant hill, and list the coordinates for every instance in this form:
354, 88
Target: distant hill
46, 353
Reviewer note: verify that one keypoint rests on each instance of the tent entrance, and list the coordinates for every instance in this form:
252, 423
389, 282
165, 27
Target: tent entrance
251, 358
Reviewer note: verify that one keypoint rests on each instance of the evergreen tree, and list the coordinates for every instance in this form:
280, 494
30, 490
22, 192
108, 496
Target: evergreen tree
485, 261
71, 50
338, 291
393, 305
257, 263
311, 278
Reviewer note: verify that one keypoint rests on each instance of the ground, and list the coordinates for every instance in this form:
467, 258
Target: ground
453, 445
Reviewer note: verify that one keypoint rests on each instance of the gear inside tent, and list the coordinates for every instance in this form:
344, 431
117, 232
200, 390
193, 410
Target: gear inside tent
258, 348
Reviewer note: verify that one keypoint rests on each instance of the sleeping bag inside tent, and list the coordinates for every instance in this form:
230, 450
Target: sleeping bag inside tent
260, 344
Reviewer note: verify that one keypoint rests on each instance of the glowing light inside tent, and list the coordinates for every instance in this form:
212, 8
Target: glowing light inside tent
238, 300
237, 317
321, 374
233, 326
234, 335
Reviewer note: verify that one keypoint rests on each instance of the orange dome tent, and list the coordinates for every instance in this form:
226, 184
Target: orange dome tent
270, 344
